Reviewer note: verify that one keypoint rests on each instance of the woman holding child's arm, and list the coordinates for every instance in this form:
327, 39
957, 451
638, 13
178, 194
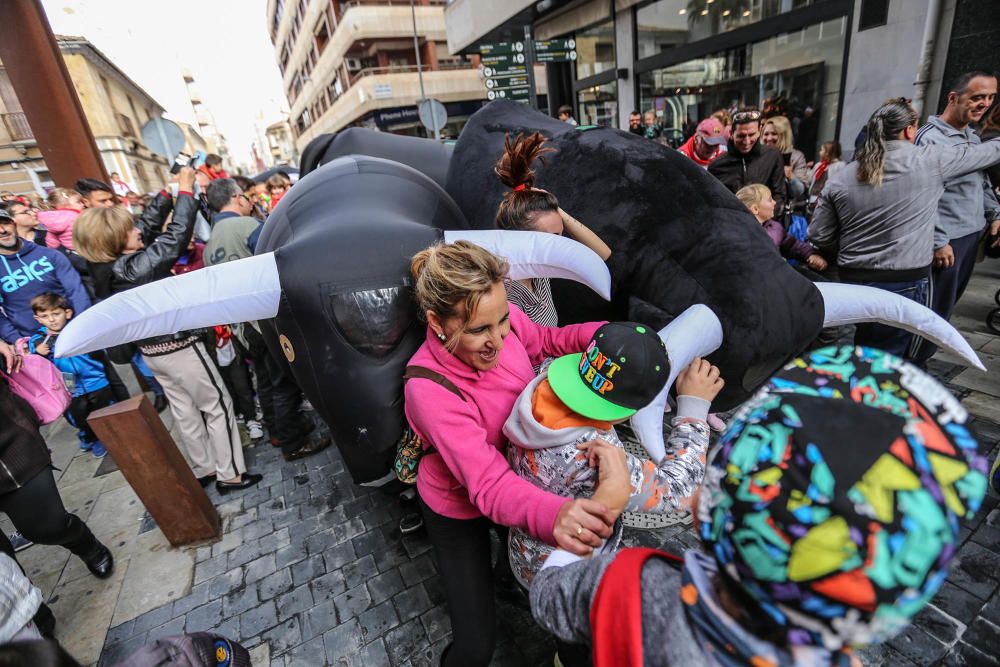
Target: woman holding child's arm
484, 349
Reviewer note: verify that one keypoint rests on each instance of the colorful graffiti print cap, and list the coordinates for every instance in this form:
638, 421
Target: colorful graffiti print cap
623, 368
834, 497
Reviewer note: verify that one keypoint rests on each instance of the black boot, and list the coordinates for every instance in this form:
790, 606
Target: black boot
94, 555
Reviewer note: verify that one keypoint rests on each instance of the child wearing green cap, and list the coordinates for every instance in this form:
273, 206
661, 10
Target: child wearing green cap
577, 399
828, 516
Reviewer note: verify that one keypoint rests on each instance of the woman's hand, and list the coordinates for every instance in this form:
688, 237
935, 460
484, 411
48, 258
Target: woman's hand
185, 179
701, 380
581, 525
12, 360
614, 486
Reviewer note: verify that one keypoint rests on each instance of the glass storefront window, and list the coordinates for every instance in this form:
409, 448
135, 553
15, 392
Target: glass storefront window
785, 74
665, 24
595, 50
599, 105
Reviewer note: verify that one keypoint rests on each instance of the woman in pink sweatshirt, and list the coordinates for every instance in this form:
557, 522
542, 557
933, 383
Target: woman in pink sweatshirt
480, 351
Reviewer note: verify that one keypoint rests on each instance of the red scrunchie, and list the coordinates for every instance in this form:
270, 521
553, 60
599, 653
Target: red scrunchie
518, 188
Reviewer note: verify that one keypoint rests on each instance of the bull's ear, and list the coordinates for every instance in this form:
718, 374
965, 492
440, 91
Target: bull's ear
540, 255
240, 291
697, 332
851, 304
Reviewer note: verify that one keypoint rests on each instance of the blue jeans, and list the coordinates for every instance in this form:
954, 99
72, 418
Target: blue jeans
895, 341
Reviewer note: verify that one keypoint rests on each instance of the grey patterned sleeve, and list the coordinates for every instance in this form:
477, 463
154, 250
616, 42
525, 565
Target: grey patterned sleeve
561, 597
663, 488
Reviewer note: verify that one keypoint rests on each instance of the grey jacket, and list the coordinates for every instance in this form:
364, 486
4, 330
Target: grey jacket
887, 232
968, 202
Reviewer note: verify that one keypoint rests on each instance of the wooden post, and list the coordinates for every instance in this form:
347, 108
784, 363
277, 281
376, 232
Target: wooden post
148, 457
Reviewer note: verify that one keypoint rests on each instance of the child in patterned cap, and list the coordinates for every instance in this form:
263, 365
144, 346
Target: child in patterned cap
577, 399
829, 513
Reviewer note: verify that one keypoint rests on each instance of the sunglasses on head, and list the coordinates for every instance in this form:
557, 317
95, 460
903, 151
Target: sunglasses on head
745, 116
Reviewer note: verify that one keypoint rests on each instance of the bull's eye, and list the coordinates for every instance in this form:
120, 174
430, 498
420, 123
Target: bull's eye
372, 321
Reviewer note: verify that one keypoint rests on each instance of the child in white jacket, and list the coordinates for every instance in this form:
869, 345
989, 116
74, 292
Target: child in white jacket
577, 399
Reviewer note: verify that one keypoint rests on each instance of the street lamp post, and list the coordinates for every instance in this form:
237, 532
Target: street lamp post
420, 69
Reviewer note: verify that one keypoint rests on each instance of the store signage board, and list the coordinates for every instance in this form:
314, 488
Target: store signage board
509, 82
497, 72
508, 94
503, 60
555, 50
500, 48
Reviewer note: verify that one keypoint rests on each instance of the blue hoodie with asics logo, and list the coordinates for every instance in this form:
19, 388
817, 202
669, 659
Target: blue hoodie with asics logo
27, 273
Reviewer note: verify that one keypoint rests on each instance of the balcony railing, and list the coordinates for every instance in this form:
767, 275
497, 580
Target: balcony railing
17, 126
406, 69
383, 3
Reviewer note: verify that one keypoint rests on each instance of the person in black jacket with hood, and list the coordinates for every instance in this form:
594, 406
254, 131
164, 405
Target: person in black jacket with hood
28, 492
747, 161
123, 254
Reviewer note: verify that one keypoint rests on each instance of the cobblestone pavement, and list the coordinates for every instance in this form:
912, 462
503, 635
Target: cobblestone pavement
312, 569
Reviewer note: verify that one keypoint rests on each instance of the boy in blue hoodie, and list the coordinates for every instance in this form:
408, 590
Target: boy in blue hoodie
85, 377
27, 270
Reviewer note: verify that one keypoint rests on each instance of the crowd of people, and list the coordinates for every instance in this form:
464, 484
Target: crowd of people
807, 551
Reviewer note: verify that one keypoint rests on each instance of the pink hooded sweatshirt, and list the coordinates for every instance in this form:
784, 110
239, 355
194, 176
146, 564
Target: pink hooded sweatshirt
59, 225
466, 475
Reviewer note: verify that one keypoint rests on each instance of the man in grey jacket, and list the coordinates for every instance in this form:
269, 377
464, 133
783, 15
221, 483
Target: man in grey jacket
876, 217
968, 203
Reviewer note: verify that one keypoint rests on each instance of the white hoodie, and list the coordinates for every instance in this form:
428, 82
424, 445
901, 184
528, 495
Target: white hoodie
549, 459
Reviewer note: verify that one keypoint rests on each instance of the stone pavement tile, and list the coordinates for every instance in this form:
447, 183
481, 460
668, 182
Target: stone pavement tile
273, 585
44, 560
230, 628
939, 625
342, 642
360, 570
283, 636
965, 655
436, 623
84, 608
339, 556
328, 586
991, 612
982, 405
393, 555
195, 598
231, 539
255, 621
239, 601
151, 619
225, 583
373, 655
172, 627
318, 620
918, 646
977, 570
205, 617
368, 542
310, 654
260, 656
306, 570
957, 603
417, 570
385, 585
120, 544
377, 620
992, 346
352, 603
293, 553
115, 653
119, 633
239, 519
212, 567
294, 602
881, 655
405, 640
157, 575
114, 511
973, 378
983, 635
412, 602
259, 568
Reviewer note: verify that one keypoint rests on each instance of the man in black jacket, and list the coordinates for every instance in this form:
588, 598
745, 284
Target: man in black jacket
747, 161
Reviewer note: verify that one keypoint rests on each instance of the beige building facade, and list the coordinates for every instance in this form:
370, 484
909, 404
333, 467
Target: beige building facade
354, 63
116, 108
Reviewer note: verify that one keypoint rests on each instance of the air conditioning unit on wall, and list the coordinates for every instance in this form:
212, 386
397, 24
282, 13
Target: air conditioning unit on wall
353, 64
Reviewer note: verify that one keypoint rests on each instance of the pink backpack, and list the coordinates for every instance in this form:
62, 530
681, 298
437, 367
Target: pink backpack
41, 384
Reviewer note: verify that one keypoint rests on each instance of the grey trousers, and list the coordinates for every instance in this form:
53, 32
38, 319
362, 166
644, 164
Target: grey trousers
202, 410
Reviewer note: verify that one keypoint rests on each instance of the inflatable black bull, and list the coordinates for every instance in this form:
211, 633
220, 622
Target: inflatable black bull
331, 275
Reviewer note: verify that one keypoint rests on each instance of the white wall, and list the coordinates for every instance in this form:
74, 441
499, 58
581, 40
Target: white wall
883, 62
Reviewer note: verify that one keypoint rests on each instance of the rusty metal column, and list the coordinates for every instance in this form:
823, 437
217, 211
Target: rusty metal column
40, 79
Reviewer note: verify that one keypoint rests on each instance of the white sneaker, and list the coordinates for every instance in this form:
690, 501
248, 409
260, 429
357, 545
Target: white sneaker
255, 430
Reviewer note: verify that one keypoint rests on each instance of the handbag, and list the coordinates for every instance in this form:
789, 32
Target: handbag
410, 448
41, 384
